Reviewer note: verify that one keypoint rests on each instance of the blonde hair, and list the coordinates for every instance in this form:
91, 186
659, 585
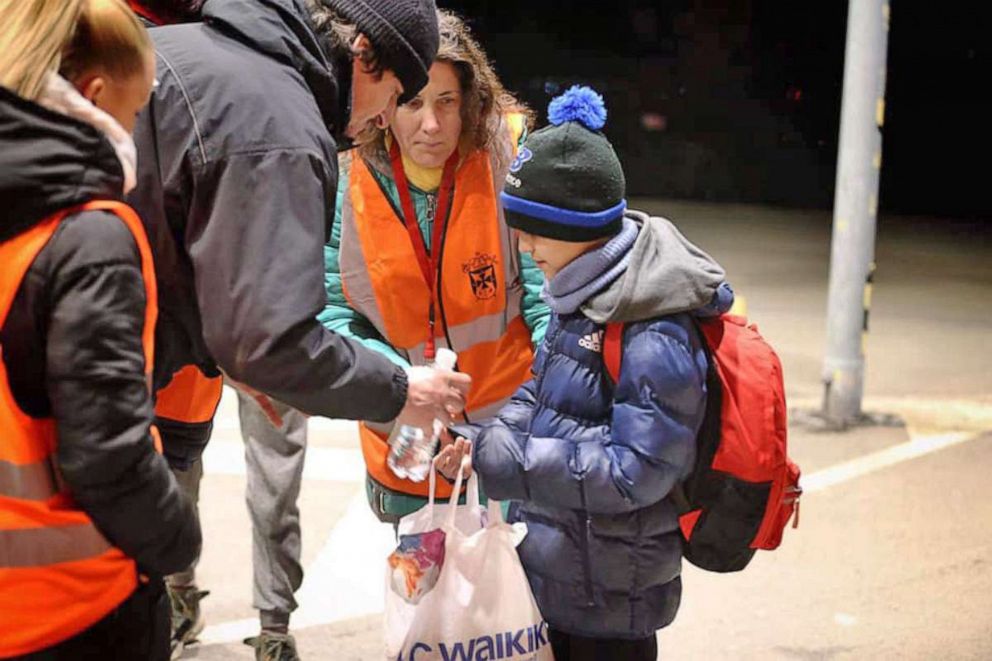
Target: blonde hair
71, 37
484, 99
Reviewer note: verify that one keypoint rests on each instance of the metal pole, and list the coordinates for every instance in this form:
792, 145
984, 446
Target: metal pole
859, 159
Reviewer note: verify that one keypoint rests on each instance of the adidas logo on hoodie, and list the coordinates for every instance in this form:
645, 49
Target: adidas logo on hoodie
592, 342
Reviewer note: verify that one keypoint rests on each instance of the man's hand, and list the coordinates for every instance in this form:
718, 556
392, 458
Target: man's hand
433, 393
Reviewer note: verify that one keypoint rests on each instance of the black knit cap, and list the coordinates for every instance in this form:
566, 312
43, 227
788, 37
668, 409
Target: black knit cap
403, 33
566, 182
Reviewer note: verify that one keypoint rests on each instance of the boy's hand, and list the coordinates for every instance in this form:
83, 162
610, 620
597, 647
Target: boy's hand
453, 455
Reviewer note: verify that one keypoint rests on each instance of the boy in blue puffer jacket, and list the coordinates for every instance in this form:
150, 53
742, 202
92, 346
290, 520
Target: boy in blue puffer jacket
588, 463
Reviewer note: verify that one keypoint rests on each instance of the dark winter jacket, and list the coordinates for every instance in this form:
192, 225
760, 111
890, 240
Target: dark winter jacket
72, 342
592, 463
236, 184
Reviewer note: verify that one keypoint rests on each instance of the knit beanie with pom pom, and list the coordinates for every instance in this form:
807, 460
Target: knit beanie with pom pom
566, 182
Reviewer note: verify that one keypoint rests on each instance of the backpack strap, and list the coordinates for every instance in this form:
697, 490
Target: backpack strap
613, 350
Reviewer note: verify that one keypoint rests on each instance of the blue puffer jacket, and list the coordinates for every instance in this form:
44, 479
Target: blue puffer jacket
590, 465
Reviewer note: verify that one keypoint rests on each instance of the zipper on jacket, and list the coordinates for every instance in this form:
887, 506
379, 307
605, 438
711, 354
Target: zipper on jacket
539, 377
586, 536
587, 543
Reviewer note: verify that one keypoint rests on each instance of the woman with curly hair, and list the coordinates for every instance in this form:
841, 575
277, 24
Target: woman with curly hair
420, 256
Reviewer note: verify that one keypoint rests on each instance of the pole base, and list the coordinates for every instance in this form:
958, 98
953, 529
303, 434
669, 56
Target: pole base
817, 421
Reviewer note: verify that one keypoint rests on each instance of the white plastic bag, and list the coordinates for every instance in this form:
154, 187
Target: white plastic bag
481, 606
468, 517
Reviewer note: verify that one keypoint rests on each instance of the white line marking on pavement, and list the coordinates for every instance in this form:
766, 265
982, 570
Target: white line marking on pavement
347, 579
229, 632
845, 619
890, 456
331, 464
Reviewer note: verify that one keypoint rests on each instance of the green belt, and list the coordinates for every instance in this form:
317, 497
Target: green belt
390, 506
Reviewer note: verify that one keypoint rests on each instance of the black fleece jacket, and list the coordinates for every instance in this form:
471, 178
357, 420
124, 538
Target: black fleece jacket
72, 342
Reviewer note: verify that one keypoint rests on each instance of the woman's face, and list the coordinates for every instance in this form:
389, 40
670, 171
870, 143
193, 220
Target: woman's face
122, 97
429, 126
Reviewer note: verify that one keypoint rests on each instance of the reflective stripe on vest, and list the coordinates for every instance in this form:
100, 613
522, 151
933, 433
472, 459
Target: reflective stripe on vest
58, 574
480, 290
37, 480
36, 547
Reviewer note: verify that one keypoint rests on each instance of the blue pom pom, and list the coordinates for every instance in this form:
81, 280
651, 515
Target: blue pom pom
578, 104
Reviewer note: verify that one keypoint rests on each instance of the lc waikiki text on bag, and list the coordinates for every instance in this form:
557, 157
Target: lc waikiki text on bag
481, 605
744, 488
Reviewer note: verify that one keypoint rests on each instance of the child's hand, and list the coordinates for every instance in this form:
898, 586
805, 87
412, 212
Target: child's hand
453, 455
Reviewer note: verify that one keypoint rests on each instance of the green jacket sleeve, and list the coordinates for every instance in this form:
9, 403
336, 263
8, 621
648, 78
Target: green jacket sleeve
535, 311
533, 308
338, 315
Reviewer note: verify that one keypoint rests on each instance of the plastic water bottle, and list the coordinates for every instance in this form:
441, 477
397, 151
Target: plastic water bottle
409, 454
410, 450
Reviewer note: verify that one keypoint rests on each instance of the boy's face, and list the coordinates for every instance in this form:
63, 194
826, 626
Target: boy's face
552, 255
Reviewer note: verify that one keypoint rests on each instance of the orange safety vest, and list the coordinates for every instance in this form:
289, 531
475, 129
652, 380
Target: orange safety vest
190, 397
58, 574
480, 292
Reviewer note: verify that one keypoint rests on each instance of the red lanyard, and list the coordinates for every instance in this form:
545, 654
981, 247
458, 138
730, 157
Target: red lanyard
145, 12
429, 263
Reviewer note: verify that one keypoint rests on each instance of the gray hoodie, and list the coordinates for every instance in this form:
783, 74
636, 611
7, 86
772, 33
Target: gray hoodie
666, 274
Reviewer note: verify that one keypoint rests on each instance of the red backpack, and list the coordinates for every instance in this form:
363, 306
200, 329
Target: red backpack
743, 489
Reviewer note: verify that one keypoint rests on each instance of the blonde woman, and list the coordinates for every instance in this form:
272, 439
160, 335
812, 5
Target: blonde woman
90, 516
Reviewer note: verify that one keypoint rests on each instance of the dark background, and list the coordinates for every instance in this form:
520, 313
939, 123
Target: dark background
739, 100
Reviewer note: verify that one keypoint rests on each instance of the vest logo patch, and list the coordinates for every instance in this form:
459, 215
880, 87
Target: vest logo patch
481, 271
593, 342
